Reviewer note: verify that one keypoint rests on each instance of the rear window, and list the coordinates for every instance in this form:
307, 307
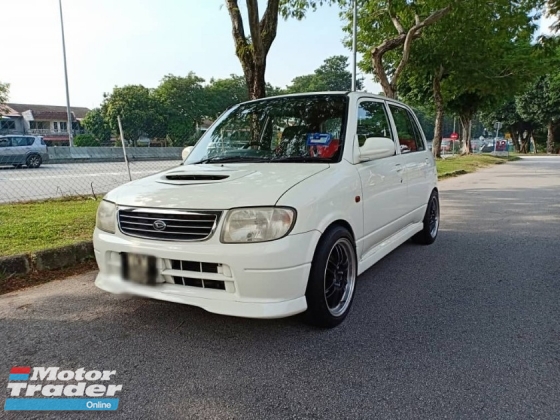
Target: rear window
43, 141
30, 141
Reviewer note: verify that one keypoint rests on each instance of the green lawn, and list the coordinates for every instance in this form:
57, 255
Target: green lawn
459, 165
30, 227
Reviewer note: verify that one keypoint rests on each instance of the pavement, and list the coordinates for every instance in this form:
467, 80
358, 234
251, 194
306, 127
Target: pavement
467, 328
56, 180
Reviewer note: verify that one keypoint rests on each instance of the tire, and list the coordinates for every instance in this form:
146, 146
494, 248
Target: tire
33, 161
428, 234
332, 280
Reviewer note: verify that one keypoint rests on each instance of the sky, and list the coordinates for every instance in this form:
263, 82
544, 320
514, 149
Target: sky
117, 42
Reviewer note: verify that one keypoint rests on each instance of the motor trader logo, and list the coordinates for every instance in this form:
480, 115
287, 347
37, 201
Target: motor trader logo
53, 389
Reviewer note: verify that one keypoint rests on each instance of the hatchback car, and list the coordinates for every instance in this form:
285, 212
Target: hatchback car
277, 209
19, 150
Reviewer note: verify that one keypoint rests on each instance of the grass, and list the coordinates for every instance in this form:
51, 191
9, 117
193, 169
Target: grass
34, 226
460, 165
30, 227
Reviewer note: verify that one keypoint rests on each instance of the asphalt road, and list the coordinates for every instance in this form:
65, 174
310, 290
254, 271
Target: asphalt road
50, 181
468, 328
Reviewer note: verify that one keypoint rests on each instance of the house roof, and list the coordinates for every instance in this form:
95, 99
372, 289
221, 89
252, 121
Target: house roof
49, 112
8, 111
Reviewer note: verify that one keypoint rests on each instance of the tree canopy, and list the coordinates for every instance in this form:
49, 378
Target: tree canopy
332, 75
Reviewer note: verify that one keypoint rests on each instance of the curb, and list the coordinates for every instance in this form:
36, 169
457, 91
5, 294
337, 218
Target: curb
49, 259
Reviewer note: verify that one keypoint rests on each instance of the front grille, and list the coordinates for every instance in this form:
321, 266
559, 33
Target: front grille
171, 225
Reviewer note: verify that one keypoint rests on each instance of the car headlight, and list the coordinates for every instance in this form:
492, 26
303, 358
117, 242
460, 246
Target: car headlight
257, 224
105, 219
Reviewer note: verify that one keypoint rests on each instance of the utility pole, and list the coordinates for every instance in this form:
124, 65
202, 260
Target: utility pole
69, 112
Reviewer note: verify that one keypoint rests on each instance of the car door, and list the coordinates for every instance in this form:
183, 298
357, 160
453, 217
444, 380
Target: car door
19, 149
416, 159
383, 187
5, 151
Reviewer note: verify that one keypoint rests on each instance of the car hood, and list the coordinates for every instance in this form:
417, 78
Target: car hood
215, 186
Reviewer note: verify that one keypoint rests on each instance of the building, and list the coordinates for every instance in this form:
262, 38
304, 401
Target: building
49, 121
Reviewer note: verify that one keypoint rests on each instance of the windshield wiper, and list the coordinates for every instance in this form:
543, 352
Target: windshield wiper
231, 159
301, 159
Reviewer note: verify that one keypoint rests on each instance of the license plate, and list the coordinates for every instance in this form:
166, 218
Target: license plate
139, 269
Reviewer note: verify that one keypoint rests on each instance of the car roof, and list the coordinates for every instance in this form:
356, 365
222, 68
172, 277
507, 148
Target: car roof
332, 93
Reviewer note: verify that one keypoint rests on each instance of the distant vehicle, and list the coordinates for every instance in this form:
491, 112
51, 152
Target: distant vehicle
450, 145
19, 150
476, 144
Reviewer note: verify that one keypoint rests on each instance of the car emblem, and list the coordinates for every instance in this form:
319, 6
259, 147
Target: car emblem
159, 225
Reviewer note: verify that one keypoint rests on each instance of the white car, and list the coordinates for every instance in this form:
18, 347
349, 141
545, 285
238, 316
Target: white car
282, 222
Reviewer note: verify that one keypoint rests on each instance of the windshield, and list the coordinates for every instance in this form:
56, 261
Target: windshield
284, 129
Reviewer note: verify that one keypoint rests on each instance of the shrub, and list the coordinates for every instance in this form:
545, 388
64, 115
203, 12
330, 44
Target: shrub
86, 140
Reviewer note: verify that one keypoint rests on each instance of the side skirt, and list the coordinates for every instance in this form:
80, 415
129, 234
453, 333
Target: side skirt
387, 246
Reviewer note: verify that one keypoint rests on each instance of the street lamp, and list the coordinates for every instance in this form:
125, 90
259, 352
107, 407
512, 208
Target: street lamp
69, 127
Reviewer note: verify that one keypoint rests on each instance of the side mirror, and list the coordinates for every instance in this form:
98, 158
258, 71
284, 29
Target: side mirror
186, 152
377, 148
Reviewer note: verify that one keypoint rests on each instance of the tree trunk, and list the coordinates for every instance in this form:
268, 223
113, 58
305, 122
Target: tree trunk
252, 53
550, 138
438, 129
514, 131
524, 144
466, 122
255, 78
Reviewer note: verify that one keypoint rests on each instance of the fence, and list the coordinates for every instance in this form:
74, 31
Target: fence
27, 173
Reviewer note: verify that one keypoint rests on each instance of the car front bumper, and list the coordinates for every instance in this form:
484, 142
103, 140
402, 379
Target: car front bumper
260, 280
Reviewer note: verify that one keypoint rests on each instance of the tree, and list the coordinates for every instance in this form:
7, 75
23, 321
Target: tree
223, 93
554, 11
96, 125
4, 93
332, 75
472, 71
387, 30
183, 103
517, 126
86, 140
542, 103
252, 51
141, 113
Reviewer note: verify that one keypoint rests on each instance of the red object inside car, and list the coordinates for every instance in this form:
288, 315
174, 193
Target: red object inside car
325, 151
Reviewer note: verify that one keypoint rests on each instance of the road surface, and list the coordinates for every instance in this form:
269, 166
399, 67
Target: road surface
468, 328
50, 181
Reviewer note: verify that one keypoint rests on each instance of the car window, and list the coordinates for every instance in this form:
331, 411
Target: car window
5, 142
19, 141
372, 122
410, 139
30, 141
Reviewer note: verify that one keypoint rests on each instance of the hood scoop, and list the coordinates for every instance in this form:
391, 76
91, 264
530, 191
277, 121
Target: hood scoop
195, 177
189, 175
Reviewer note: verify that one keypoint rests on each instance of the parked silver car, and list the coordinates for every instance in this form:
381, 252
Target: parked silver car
19, 150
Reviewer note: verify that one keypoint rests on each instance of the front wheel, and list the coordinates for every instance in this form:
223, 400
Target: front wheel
430, 230
332, 280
